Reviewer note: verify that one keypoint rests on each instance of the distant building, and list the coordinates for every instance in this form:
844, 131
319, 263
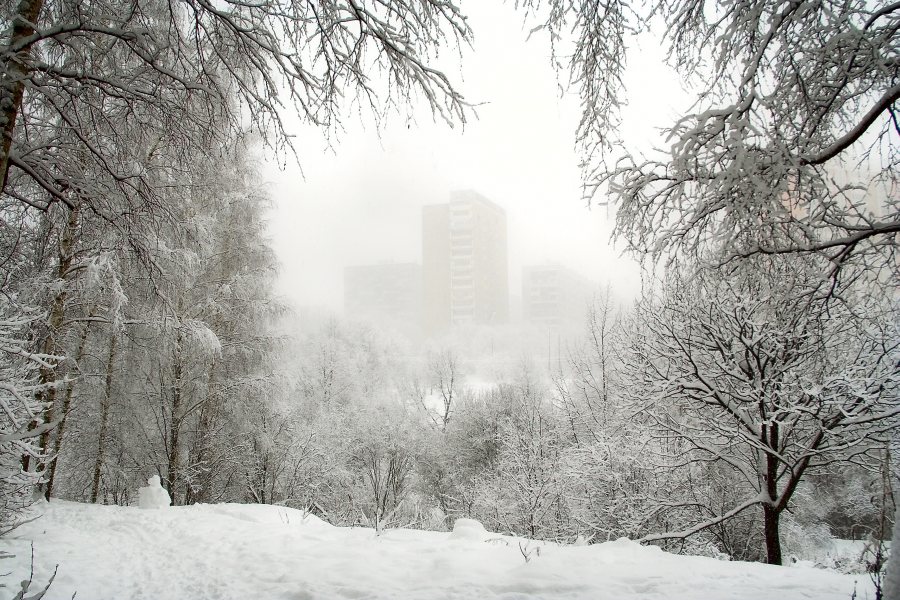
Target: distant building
555, 297
388, 294
464, 263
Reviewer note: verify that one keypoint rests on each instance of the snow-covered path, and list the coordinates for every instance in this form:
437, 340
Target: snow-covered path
234, 551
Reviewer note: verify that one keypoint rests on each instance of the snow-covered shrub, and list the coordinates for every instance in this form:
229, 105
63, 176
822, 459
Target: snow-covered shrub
383, 460
459, 464
806, 538
27, 589
850, 501
702, 544
499, 462
529, 481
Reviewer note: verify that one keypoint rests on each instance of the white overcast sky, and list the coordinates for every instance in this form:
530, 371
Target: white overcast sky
360, 202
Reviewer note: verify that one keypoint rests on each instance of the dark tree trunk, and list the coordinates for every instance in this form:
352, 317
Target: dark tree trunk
772, 511
50, 345
773, 541
200, 454
15, 71
175, 420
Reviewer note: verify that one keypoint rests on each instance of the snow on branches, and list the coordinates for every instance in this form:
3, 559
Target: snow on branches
754, 374
21, 411
791, 145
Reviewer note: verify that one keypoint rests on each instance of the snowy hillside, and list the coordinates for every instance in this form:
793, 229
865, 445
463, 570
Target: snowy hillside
252, 551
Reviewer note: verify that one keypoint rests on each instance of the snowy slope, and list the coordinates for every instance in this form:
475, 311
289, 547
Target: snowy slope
247, 552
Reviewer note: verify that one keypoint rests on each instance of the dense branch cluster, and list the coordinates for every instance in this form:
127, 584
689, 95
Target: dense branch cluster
791, 146
92, 91
749, 375
20, 386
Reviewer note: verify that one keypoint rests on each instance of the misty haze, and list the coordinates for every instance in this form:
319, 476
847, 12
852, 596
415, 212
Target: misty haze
433, 300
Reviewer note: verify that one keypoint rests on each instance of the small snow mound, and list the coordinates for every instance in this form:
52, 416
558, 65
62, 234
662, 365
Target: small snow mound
153, 496
468, 524
266, 514
469, 529
623, 544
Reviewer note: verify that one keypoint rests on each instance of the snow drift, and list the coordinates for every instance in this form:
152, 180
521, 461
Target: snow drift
268, 552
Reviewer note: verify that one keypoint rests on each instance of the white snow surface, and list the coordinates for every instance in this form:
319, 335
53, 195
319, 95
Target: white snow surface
235, 551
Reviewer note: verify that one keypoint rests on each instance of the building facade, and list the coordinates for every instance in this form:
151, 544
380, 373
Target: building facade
464, 263
555, 297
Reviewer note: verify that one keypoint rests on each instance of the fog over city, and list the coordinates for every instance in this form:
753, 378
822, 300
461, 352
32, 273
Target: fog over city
356, 198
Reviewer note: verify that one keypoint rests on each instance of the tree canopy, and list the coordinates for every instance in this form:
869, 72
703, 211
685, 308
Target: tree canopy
790, 147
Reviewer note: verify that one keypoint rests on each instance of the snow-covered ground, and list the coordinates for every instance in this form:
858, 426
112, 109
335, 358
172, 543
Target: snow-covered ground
265, 552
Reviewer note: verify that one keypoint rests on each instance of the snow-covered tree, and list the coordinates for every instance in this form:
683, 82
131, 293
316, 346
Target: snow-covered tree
383, 459
114, 115
462, 462
165, 345
21, 409
791, 146
615, 476
108, 83
529, 469
752, 374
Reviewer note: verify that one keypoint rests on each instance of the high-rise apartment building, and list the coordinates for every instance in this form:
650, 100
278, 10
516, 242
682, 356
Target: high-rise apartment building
464, 263
554, 296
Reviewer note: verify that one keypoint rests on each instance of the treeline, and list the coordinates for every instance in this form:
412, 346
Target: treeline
657, 427
683, 420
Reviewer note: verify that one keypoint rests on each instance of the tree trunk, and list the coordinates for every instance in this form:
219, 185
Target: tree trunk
773, 541
892, 574
771, 511
54, 327
207, 419
175, 421
67, 403
104, 415
15, 71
